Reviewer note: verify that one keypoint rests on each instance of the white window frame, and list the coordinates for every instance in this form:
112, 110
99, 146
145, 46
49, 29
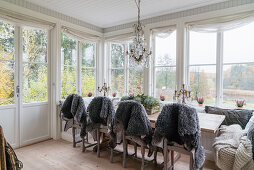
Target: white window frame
219, 65
79, 65
154, 66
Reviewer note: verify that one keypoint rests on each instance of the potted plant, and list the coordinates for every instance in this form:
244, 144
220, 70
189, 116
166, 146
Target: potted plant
200, 101
162, 98
114, 94
131, 96
151, 104
90, 94
240, 103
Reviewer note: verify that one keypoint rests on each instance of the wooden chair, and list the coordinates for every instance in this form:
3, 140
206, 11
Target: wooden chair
179, 149
137, 142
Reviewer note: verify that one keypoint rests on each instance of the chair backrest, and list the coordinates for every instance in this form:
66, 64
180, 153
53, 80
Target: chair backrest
178, 123
133, 118
100, 110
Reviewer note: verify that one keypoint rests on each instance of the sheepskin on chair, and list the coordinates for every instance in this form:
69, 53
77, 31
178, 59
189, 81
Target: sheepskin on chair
179, 123
132, 117
101, 112
74, 108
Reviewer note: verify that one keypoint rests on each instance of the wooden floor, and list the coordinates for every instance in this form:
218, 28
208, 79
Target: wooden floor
54, 155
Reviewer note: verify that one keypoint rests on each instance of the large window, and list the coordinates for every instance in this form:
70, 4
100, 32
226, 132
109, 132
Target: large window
88, 70
221, 66
74, 64
34, 65
68, 66
123, 79
202, 66
7, 66
165, 65
238, 65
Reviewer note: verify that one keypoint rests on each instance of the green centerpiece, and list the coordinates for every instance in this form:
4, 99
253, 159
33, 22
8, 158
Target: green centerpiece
151, 104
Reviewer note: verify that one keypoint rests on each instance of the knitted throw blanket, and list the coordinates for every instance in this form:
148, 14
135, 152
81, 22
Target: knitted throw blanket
233, 149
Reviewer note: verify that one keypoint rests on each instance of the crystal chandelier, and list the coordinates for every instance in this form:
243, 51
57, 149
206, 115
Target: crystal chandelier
138, 54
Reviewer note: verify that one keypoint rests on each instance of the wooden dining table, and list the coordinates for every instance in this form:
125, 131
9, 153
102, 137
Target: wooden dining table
208, 122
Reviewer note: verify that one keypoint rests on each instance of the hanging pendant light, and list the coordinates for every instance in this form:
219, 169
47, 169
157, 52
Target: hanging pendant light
138, 54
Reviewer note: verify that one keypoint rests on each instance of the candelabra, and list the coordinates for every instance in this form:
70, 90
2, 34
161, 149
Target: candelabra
186, 94
104, 88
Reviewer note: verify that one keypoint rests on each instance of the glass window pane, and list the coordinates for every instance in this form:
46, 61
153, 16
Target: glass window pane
34, 45
117, 81
87, 81
88, 54
165, 49
238, 84
69, 51
202, 48
34, 83
165, 82
6, 41
136, 82
203, 83
68, 81
117, 55
238, 45
6, 82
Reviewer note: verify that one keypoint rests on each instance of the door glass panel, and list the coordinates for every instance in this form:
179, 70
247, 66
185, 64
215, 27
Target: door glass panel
34, 83
6, 82
34, 65
7, 66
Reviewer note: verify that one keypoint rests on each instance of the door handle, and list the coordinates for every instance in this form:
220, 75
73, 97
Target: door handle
17, 91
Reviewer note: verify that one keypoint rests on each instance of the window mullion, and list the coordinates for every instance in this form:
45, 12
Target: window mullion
219, 70
126, 69
79, 67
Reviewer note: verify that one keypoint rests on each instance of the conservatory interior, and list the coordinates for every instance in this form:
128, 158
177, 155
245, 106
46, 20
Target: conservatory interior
126, 84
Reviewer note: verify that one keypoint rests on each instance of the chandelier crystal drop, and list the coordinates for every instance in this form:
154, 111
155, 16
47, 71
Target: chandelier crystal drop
138, 54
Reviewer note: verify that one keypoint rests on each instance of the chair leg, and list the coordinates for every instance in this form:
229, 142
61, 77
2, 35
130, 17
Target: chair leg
124, 151
73, 137
143, 157
192, 161
165, 154
111, 155
135, 149
83, 145
155, 156
98, 142
87, 137
172, 160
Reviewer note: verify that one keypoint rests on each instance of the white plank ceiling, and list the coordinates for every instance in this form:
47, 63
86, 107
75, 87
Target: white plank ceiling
107, 13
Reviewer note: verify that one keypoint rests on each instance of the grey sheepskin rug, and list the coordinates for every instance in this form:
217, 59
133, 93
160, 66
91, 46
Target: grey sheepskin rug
100, 112
74, 108
179, 123
132, 117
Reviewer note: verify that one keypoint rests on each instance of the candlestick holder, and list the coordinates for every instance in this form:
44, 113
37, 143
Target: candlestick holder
104, 88
186, 94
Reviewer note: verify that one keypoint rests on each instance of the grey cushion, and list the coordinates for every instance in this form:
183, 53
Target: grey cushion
233, 116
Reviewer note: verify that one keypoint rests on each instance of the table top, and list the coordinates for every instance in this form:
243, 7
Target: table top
208, 122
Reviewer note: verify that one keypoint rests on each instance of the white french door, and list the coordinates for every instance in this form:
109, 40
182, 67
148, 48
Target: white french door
24, 107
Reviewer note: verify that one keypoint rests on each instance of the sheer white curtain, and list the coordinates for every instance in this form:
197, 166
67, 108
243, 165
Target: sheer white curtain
21, 19
221, 24
120, 38
163, 32
80, 35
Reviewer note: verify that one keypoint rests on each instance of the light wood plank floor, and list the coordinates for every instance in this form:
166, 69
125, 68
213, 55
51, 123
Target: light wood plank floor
60, 155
